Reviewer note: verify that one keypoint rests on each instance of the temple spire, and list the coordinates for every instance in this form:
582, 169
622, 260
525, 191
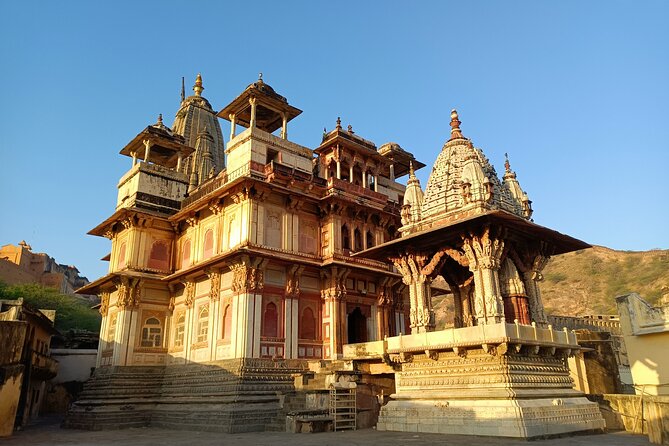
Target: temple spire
197, 88
455, 126
507, 165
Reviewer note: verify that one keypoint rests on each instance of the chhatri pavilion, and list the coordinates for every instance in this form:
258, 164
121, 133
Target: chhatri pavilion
247, 275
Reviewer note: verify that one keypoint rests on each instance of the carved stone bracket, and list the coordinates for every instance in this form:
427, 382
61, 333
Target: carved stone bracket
293, 275
129, 292
104, 303
215, 284
248, 274
334, 283
189, 293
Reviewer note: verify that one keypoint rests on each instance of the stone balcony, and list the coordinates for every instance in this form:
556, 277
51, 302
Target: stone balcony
355, 192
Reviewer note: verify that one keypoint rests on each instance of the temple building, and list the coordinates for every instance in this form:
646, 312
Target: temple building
240, 271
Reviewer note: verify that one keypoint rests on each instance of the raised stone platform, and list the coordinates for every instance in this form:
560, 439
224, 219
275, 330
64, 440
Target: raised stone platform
505, 380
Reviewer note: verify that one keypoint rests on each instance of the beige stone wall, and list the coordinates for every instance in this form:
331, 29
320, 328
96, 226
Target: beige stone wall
646, 332
10, 391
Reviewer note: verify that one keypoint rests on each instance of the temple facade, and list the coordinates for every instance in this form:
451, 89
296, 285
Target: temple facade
251, 259
241, 272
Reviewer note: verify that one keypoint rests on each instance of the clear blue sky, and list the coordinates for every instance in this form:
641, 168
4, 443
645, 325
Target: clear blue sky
576, 92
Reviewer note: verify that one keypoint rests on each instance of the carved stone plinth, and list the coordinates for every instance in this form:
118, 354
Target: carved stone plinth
514, 383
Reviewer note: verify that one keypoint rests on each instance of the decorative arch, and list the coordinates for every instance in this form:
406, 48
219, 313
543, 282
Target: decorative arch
208, 244
369, 239
307, 324
227, 322
357, 240
270, 326
345, 237
185, 253
203, 324
152, 332
120, 263
180, 330
159, 255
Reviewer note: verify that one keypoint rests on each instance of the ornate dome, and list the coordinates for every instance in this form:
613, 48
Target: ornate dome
464, 183
194, 116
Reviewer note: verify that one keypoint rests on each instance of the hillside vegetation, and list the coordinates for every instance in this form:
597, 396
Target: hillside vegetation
71, 312
588, 281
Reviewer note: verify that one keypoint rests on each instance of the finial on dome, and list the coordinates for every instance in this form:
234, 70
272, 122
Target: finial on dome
197, 88
411, 172
455, 125
260, 77
338, 122
183, 88
160, 119
507, 165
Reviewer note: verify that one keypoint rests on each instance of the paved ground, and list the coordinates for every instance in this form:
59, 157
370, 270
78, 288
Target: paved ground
48, 432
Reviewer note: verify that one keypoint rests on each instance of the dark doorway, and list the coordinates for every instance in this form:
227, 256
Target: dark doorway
357, 326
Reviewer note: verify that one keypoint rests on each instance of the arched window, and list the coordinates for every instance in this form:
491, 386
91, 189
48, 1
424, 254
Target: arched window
233, 232
208, 245
357, 239
227, 322
203, 324
185, 253
370, 239
270, 321
120, 263
308, 324
180, 330
151, 333
345, 237
111, 330
159, 258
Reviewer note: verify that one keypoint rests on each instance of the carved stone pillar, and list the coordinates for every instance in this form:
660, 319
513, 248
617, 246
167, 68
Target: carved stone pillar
484, 254
214, 309
333, 293
417, 274
233, 125
248, 283
531, 279
252, 123
292, 308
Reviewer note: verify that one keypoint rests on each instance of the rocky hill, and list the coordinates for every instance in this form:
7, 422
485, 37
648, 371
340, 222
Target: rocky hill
588, 281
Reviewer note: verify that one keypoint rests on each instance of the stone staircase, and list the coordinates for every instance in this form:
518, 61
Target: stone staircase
240, 395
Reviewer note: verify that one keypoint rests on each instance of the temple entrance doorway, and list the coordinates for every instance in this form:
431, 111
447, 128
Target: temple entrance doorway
357, 326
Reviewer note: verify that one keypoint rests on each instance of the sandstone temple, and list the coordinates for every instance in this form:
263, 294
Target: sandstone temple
254, 276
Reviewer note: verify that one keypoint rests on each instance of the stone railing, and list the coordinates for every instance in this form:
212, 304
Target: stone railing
576, 323
354, 189
217, 183
485, 336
